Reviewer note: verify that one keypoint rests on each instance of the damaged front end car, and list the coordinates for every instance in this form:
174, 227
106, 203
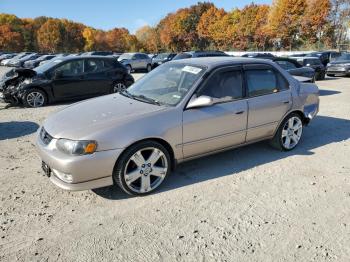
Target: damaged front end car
13, 84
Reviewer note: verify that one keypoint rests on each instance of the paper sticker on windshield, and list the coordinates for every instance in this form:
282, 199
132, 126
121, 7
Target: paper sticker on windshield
192, 69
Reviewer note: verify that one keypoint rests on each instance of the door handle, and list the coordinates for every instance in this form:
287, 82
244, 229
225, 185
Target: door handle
239, 112
286, 102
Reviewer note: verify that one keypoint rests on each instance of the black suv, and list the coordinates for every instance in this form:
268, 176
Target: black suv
65, 78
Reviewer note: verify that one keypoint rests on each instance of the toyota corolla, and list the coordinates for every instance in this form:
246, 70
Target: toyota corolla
182, 110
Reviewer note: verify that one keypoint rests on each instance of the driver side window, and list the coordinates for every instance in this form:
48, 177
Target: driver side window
224, 84
70, 69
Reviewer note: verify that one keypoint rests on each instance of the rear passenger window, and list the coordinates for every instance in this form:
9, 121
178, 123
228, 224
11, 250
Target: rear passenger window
227, 84
93, 65
264, 81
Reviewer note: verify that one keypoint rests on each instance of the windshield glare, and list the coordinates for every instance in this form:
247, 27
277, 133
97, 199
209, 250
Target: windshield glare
167, 84
44, 67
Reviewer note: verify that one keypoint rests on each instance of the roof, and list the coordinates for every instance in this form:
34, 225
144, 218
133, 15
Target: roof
211, 62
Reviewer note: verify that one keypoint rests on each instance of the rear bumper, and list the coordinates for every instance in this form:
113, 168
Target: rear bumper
85, 172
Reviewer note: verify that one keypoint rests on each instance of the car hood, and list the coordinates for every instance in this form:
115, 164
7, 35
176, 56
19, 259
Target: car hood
84, 120
16, 73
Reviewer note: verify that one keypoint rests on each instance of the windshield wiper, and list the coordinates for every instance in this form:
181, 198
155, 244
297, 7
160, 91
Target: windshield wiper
141, 98
147, 99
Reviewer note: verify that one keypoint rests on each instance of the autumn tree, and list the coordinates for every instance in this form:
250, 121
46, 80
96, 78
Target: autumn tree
285, 19
148, 39
10, 40
89, 38
73, 40
50, 36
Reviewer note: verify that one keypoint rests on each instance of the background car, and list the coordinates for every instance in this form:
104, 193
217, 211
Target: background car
294, 68
7, 56
20, 62
99, 53
315, 63
258, 55
36, 62
162, 58
136, 61
194, 54
340, 66
15, 58
66, 78
325, 56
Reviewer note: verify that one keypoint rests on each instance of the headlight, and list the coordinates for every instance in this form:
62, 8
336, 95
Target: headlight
27, 81
329, 64
72, 147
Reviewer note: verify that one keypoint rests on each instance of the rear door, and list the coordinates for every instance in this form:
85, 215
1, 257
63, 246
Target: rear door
97, 79
269, 99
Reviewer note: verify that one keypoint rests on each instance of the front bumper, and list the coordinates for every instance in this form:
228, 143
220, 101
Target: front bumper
86, 171
338, 71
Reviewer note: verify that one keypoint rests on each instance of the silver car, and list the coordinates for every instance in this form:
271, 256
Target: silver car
136, 61
182, 110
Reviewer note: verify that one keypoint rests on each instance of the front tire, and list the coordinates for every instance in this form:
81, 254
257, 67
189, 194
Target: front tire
289, 133
35, 98
142, 168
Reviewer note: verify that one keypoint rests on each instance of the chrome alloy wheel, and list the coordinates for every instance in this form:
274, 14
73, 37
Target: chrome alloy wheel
118, 87
146, 170
35, 99
291, 132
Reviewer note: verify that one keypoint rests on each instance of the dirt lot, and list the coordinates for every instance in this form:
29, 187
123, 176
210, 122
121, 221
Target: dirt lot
249, 204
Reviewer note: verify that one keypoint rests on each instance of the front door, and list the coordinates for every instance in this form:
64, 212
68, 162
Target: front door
68, 80
222, 124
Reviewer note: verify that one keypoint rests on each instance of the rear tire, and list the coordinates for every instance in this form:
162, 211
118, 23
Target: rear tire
289, 133
142, 168
35, 98
118, 87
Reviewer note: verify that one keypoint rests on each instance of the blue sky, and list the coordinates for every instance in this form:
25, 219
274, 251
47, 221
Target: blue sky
106, 14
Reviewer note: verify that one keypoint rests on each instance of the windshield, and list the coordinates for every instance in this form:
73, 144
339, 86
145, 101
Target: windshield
167, 84
344, 57
125, 56
44, 67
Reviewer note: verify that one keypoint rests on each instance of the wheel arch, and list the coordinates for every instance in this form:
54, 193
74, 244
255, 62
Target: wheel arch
304, 119
39, 88
161, 141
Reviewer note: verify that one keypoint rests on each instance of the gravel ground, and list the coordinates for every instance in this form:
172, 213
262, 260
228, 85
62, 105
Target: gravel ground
248, 204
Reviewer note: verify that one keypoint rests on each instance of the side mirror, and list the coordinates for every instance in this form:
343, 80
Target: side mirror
133, 58
201, 101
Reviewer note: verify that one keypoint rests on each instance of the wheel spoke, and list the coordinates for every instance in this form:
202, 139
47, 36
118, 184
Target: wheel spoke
138, 159
297, 126
158, 171
287, 142
145, 184
132, 176
284, 133
291, 122
154, 157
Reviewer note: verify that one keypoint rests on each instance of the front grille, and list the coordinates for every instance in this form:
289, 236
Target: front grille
45, 137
